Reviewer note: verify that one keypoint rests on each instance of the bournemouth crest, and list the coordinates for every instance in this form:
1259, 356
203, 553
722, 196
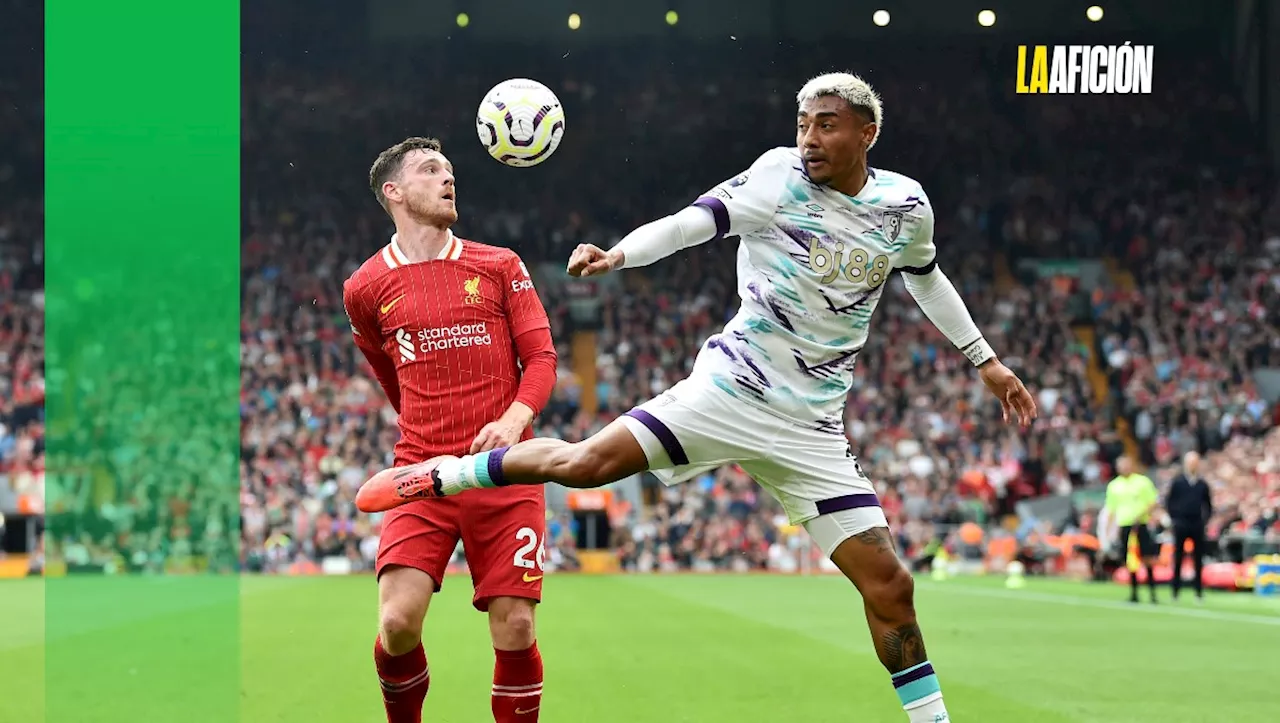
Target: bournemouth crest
892, 224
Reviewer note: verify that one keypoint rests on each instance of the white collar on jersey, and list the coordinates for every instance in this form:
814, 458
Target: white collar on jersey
395, 257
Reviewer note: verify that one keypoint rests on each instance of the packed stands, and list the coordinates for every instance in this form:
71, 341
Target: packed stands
22, 435
1011, 184
1146, 337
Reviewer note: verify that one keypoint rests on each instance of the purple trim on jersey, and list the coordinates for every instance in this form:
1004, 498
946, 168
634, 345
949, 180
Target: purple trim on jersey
842, 363
717, 342
848, 502
746, 358
912, 675
718, 210
664, 434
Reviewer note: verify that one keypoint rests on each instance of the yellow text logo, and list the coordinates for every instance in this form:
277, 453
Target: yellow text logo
1070, 69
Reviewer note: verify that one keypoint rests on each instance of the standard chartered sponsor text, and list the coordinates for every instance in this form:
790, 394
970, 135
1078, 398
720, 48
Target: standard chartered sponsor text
454, 337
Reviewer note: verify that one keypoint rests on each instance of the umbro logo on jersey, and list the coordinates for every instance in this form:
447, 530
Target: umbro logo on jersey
405, 343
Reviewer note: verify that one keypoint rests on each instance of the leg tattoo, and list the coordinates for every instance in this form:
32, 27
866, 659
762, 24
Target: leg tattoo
877, 538
902, 647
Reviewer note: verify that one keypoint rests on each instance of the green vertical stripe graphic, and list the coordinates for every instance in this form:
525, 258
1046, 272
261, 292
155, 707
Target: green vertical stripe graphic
142, 205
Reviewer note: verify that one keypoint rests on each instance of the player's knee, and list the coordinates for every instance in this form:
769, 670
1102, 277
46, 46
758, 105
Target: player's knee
892, 598
900, 594
511, 625
399, 629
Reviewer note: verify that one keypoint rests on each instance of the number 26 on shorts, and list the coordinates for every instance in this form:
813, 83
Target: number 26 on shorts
531, 542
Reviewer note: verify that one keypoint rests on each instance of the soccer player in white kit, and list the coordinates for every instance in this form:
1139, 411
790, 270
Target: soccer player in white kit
821, 233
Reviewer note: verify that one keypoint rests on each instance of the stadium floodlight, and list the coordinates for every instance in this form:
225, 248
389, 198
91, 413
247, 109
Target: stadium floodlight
880, 18
575, 21
1094, 13
987, 18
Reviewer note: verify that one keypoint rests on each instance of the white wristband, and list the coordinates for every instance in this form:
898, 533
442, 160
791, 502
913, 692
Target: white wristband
979, 352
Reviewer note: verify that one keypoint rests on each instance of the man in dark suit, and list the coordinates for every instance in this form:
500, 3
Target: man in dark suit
1189, 504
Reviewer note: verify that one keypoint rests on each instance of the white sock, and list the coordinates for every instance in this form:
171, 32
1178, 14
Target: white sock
465, 473
932, 712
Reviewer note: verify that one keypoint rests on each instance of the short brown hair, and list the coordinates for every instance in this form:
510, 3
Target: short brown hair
389, 162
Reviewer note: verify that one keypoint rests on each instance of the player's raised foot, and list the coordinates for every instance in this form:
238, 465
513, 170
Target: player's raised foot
396, 486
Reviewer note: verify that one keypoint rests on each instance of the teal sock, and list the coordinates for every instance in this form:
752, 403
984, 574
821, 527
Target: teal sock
473, 471
920, 693
480, 470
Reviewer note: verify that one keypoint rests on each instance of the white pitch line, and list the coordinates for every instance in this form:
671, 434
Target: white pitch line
1165, 609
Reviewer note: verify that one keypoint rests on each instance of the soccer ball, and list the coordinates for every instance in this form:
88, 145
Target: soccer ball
520, 122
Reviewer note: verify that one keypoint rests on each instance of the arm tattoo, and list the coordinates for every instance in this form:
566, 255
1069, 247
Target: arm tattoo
878, 538
902, 648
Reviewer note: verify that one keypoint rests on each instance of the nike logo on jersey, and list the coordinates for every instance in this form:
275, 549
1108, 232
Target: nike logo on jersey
390, 304
527, 711
531, 578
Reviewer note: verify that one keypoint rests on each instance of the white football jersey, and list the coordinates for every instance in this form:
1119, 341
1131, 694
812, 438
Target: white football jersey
812, 264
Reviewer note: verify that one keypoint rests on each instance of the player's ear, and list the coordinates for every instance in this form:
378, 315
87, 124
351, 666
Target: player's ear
868, 134
391, 191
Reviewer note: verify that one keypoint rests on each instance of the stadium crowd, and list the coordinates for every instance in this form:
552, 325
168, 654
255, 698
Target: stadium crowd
21, 351
1188, 313
22, 434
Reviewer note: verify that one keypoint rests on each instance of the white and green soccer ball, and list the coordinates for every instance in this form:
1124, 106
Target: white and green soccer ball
520, 122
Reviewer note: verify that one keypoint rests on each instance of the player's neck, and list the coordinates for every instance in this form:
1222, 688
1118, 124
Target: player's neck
421, 242
853, 182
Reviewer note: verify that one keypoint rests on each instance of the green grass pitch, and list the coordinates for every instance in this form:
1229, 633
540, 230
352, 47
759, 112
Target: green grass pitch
748, 649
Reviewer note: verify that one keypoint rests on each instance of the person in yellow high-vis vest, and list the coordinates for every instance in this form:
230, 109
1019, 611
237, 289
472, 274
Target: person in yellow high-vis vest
1131, 499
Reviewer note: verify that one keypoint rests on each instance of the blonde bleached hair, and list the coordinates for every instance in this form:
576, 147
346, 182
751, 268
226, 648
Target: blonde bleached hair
853, 89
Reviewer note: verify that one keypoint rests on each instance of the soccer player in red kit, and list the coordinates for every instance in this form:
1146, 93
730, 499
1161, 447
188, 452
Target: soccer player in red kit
460, 342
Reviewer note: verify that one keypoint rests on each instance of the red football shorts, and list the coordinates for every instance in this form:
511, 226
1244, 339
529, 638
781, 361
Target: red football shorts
501, 531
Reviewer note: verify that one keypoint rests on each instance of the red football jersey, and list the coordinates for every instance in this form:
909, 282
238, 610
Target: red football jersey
448, 326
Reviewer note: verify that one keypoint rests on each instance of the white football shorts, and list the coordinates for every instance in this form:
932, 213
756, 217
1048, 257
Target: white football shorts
695, 427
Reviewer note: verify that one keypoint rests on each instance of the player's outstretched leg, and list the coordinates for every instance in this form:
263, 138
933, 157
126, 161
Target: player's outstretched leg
403, 596
888, 593
517, 669
608, 456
